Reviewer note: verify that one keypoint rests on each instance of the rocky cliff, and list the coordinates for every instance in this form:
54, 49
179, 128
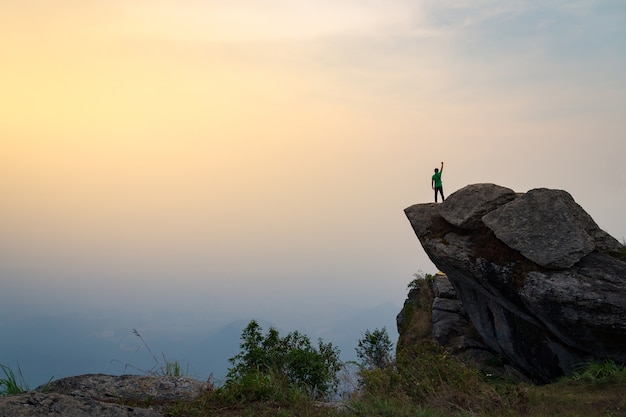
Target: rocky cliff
537, 282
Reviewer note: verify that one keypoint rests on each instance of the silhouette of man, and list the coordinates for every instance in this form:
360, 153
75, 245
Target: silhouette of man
437, 184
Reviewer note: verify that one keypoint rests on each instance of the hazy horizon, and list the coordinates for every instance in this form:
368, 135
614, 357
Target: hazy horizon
173, 159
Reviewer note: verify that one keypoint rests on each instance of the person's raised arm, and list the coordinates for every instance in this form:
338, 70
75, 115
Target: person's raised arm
441, 170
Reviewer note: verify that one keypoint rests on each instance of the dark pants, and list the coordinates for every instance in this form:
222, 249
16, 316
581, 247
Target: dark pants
439, 190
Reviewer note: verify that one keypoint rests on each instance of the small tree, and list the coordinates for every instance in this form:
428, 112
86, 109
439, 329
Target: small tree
377, 374
286, 363
374, 349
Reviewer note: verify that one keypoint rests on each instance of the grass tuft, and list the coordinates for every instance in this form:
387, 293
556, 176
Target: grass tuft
599, 372
12, 383
162, 367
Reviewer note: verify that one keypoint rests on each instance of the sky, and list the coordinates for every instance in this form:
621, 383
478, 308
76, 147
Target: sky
256, 157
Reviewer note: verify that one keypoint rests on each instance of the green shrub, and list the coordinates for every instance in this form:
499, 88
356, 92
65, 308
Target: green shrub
599, 372
379, 382
256, 386
272, 367
420, 279
374, 349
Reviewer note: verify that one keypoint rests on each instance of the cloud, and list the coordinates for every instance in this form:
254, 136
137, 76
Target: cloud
269, 21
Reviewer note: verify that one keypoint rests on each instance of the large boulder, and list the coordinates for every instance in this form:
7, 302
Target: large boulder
466, 207
540, 282
548, 227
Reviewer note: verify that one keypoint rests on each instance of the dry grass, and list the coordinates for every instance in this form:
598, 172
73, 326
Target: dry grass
482, 400
417, 322
576, 399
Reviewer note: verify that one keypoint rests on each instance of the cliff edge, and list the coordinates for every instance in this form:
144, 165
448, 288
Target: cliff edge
539, 283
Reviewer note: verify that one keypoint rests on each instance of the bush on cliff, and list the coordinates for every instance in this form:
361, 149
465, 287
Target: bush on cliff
271, 367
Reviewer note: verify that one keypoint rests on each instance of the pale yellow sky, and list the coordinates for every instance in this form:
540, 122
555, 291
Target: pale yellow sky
185, 146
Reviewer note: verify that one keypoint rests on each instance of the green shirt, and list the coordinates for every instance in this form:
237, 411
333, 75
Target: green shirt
437, 179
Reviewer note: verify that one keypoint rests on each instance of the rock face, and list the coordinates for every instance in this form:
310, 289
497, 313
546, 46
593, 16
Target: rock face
448, 315
549, 228
542, 284
36, 404
433, 310
133, 388
103, 396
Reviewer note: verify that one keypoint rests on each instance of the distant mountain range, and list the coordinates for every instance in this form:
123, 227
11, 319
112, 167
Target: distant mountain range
66, 345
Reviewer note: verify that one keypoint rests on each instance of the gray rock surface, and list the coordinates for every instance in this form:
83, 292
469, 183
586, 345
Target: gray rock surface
466, 207
97, 395
547, 227
443, 288
37, 404
449, 320
134, 388
538, 278
448, 315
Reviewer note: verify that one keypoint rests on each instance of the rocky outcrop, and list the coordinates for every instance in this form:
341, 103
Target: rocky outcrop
37, 404
541, 283
100, 395
130, 388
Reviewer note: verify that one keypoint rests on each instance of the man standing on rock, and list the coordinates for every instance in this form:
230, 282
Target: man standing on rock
437, 184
